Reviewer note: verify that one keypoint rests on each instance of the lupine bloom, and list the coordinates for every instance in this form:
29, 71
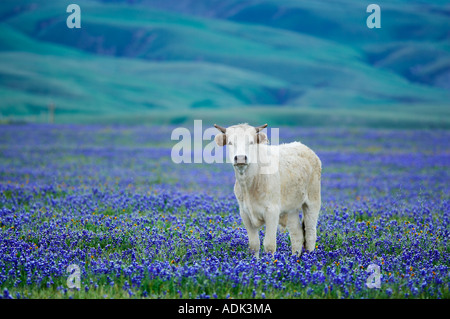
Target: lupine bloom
138, 225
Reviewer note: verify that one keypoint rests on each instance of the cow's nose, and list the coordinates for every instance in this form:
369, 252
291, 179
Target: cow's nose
240, 160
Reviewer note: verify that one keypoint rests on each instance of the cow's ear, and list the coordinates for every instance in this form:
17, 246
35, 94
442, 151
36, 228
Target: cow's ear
221, 139
261, 138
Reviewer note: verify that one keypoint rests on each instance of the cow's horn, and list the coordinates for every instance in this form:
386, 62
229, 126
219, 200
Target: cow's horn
220, 128
259, 128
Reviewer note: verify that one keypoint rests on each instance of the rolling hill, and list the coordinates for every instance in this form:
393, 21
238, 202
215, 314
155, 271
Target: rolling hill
172, 61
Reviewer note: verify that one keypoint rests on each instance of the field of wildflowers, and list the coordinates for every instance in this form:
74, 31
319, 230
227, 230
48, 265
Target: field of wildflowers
110, 200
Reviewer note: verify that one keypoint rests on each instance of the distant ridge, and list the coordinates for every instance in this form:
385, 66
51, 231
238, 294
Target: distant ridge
135, 57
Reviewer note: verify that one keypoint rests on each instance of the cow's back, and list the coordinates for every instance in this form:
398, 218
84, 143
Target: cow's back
298, 166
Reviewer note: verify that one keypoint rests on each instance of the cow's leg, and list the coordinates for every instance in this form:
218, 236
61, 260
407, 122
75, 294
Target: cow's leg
271, 218
311, 209
253, 235
310, 217
295, 232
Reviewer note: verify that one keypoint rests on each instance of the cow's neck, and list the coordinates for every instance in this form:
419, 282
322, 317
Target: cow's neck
248, 178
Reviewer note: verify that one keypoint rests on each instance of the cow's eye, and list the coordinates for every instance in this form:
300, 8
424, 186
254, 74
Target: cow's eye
229, 143
251, 142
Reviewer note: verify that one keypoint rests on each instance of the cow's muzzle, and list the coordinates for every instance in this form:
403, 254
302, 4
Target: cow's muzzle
240, 160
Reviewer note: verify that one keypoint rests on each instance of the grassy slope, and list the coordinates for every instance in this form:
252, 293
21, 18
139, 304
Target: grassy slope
202, 66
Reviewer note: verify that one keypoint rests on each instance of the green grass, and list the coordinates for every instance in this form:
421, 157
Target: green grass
399, 116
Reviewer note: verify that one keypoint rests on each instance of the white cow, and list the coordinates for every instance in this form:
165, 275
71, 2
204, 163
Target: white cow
274, 196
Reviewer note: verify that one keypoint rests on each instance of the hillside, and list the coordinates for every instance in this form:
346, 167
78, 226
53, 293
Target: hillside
174, 60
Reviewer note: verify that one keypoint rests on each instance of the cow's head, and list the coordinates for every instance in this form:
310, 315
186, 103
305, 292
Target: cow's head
241, 140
